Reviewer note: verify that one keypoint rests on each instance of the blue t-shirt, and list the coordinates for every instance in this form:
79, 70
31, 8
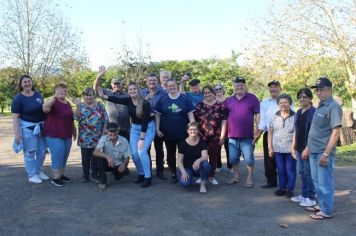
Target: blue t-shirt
195, 98
174, 118
29, 108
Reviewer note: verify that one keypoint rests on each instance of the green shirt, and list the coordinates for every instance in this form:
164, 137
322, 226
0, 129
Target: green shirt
119, 152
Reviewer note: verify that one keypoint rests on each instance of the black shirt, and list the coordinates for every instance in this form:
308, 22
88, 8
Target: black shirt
146, 107
191, 153
301, 122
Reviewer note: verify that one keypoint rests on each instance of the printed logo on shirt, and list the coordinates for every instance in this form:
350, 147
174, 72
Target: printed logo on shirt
39, 100
174, 108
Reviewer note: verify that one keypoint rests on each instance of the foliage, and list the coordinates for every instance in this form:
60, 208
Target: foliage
9, 78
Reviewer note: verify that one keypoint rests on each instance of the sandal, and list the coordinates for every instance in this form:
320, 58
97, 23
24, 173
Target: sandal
248, 185
315, 208
320, 216
102, 187
233, 181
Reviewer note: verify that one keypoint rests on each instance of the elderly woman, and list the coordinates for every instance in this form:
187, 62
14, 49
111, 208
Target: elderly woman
193, 159
28, 119
173, 112
92, 118
211, 116
58, 130
280, 135
142, 130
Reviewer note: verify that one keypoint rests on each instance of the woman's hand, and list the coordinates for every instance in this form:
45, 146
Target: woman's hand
18, 138
140, 144
185, 176
293, 152
196, 164
270, 152
159, 133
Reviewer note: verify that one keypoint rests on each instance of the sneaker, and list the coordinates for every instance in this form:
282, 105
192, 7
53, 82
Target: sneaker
213, 181
279, 192
218, 170
198, 181
43, 176
298, 198
95, 179
57, 182
289, 194
230, 170
308, 203
65, 179
35, 179
85, 179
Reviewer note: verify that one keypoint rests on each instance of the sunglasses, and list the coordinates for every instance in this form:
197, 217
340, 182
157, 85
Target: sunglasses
218, 89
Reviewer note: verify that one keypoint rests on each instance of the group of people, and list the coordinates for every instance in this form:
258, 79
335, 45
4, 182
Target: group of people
197, 123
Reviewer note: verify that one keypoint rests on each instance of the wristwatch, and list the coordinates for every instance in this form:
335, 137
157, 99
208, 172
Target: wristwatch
325, 155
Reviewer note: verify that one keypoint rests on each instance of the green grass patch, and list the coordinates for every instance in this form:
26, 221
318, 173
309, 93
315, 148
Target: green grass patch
5, 113
346, 155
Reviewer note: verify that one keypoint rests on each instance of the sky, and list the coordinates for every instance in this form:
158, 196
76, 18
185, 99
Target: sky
169, 29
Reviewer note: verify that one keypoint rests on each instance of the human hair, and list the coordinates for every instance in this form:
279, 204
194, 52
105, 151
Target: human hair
89, 91
139, 107
220, 85
62, 85
170, 80
165, 73
209, 88
22, 78
285, 96
152, 75
306, 91
193, 123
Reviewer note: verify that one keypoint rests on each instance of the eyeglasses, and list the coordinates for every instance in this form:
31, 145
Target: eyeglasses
192, 129
206, 93
218, 89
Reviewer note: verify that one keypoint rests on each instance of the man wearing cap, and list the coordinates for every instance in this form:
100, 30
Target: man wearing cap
116, 112
112, 153
152, 93
323, 136
268, 107
195, 95
243, 111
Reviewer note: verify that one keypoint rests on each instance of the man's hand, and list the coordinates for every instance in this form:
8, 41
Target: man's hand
18, 138
305, 154
111, 162
185, 78
101, 71
122, 168
323, 161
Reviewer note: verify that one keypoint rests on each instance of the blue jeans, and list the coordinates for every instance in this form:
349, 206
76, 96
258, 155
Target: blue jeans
287, 171
59, 149
140, 157
308, 190
240, 146
34, 149
203, 172
323, 181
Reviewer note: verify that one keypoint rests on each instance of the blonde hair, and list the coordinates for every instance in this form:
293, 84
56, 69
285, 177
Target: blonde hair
139, 107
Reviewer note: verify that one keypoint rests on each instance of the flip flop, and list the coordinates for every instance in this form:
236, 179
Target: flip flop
248, 185
101, 187
233, 181
320, 216
315, 208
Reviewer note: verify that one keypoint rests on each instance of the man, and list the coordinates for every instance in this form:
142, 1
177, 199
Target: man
268, 107
164, 75
195, 95
243, 110
323, 135
152, 93
117, 113
112, 153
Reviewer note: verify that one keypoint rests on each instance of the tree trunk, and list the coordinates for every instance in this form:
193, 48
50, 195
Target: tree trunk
353, 101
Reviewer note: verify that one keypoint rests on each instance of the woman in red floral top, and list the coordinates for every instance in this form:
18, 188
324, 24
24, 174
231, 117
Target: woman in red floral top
211, 116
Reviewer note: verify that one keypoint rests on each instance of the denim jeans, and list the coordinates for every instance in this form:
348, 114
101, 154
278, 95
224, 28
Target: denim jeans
59, 149
34, 149
140, 157
238, 146
203, 172
323, 181
303, 166
286, 166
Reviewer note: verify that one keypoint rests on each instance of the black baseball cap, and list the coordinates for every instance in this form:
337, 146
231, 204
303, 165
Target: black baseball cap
274, 82
240, 80
112, 126
194, 82
322, 82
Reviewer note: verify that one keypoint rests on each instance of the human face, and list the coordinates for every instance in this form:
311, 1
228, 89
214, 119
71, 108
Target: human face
113, 133
274, 90
116, 88
172, 87
133, 91
88, 98
240, 88
163, 80
26, 84
323, 93
304, 100
284, 105
208, 95
61, 93
195, 88
219, 91
192, 131
152, 82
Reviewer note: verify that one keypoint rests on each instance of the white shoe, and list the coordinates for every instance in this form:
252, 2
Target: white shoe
230, 170
308, 203
35, 179
218, 170
213, 181
198, 181
43, 176
298, 198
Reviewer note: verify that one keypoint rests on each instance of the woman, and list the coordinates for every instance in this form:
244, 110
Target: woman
280, 135
303, 119
220, 98
193, 159
211, 116
173, 112
142, 130
58, 130
28, 119
92, 119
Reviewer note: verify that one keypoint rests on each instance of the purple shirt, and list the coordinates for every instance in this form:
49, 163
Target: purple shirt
240, 115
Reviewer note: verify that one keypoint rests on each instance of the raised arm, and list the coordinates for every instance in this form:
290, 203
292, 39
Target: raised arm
184, 79
97, 81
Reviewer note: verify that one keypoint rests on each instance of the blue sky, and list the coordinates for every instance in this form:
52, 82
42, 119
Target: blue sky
175, 30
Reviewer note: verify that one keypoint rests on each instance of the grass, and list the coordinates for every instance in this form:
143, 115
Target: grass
346, 155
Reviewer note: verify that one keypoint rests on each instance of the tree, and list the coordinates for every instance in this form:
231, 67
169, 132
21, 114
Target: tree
35, 36
9, 79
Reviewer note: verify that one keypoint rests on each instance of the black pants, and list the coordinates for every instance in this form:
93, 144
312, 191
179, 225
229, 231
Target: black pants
125, 134
104, 167
171, 146
89, 162
270, 163
158, 144
226, 146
